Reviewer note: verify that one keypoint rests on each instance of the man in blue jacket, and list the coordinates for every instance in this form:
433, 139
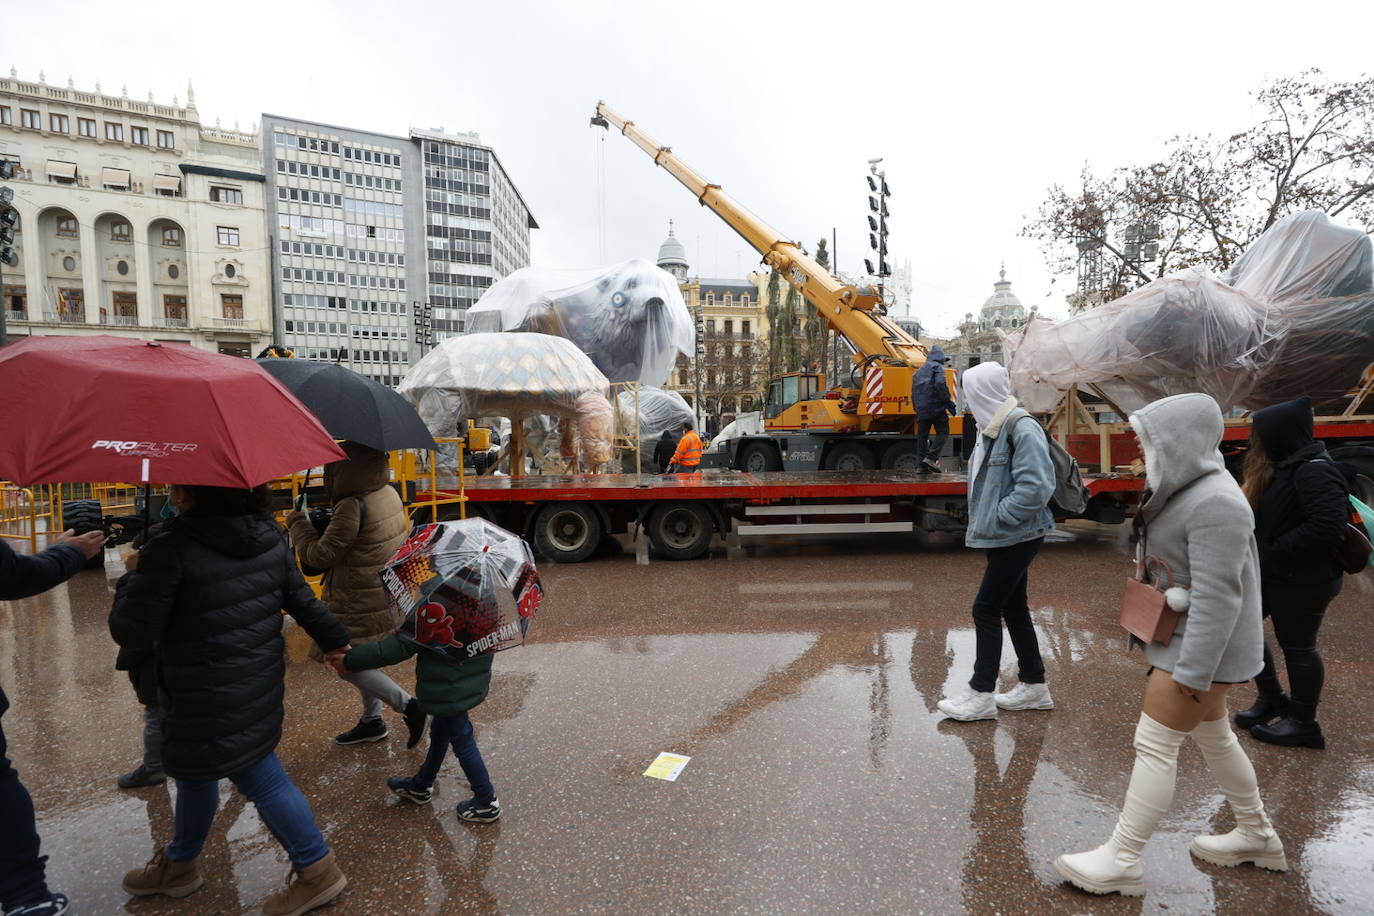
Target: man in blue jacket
934, 407
23, 883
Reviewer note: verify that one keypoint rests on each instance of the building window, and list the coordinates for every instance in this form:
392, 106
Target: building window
123, 268
171, 237
71, 305
729, 324
231, 306
744, 301
744, 328
166, 139
30, 118
114, 131
174, 308
85, 127
710, 298
69, 264
59, 124
5, 116
228, 235
120, 232
225, 195
66, 227
16, 302
173, 271
126, 305
139, 135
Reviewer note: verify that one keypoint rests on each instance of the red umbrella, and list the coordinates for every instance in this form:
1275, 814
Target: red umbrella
101, 408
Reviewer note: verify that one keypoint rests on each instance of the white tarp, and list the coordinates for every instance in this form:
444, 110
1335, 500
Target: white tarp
629, 318
1294, 316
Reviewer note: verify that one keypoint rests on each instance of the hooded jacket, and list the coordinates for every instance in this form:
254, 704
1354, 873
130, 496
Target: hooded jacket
208, 593
1300, 523
929, 390
1011, 477
1199, 523
443, 686
663, 451
368, 524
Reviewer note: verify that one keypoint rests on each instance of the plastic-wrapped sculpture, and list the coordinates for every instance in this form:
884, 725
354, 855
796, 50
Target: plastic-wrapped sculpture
510, 375
630, 318
1295, 315
658, 410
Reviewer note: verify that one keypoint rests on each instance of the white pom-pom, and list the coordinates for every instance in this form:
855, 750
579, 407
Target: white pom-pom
1177, 598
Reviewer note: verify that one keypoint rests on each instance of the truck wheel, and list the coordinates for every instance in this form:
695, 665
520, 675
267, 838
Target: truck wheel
566, 532
1364, 478
849, 456
904, 457
81, 516
680, 530
757, 457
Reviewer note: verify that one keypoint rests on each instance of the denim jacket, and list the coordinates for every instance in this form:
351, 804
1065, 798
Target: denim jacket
1008, 502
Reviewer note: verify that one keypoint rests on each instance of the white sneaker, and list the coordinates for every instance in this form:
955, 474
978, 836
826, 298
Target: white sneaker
969, 706
1026, 696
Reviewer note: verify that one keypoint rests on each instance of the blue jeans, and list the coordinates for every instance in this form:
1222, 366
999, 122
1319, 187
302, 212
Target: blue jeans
455, 732
280, 804
22, 877
928, 449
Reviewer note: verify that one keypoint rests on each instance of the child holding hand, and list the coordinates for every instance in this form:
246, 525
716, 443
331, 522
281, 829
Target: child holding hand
446, 689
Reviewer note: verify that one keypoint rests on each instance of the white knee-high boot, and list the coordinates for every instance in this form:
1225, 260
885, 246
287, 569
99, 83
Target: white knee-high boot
1254, 839
1114, 867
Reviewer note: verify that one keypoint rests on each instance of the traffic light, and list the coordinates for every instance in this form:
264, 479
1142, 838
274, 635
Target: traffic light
877, 235
9, 217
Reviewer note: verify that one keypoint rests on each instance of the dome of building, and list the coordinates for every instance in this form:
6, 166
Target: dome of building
1003, 309
672, 257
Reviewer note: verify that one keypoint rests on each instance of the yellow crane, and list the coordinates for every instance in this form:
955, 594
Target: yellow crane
866, 423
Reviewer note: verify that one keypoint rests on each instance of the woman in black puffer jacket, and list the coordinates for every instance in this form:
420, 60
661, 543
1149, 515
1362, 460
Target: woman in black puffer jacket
208, 591
1299, 497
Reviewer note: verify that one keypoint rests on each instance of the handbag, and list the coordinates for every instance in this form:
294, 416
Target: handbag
1145, 612
1355, 549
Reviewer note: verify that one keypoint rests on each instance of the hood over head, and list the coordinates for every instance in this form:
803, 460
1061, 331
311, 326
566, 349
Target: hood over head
239, 536
937, 355
1285, 428
364, 471
1180, 436
986, 386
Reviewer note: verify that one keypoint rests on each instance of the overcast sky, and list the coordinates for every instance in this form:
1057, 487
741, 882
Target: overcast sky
975, 108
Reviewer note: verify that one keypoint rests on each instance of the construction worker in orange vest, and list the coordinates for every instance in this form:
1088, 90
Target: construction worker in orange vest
687, 458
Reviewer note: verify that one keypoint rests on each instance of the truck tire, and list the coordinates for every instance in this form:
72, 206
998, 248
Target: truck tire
81, 516
1364, 478
757, 457
566, 532
904, 457
680, 530
849, 456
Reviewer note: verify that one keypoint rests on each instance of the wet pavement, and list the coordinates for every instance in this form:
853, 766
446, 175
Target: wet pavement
801, 678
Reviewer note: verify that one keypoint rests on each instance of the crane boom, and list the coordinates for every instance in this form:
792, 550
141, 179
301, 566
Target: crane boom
851, 311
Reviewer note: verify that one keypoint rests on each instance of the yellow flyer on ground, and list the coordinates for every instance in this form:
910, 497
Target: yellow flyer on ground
667, 766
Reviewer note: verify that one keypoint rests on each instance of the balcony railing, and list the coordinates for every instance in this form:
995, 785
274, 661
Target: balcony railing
170, 323
120, 321
69, 318
232, 322
16, 316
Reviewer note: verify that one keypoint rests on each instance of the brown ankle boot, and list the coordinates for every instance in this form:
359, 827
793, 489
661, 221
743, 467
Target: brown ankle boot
163, 876
307, 888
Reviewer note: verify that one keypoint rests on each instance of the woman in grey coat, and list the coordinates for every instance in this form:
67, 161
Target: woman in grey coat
1199, 523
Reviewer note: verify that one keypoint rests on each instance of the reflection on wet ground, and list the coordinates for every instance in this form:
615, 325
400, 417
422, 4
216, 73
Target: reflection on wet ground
802, 680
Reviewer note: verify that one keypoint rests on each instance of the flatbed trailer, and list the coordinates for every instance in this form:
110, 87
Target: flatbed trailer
567, 518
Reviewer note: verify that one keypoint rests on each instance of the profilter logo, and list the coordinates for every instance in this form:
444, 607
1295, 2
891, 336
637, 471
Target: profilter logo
132, 449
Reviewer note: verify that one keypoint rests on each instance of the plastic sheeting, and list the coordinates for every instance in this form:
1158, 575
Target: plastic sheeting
658, 410
629, 318
513, 375
1294, 316
746, 424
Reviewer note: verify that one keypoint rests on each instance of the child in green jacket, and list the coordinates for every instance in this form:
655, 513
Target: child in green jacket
446, 691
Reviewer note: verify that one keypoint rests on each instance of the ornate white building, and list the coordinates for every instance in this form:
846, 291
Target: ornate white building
978, 340
135, 220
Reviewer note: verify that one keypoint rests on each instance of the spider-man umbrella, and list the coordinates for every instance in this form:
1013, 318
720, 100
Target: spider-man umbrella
467, 588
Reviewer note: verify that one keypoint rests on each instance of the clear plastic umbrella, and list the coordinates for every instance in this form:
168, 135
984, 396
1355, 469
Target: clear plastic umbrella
467, 588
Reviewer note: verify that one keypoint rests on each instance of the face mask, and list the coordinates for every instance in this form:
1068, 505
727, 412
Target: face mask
169, 511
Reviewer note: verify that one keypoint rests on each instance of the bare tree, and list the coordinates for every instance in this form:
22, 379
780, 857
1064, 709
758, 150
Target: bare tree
1207, 199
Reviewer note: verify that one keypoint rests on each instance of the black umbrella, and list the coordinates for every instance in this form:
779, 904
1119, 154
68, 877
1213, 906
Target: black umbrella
352, 406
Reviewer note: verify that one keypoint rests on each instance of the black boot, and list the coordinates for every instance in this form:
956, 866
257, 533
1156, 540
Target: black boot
415, 723
1298, 729
1268, 707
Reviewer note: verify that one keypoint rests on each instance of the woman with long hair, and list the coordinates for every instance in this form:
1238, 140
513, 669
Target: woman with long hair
1299, 497
1197, 522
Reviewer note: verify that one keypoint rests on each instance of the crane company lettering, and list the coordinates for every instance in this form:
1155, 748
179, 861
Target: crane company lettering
135, 449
